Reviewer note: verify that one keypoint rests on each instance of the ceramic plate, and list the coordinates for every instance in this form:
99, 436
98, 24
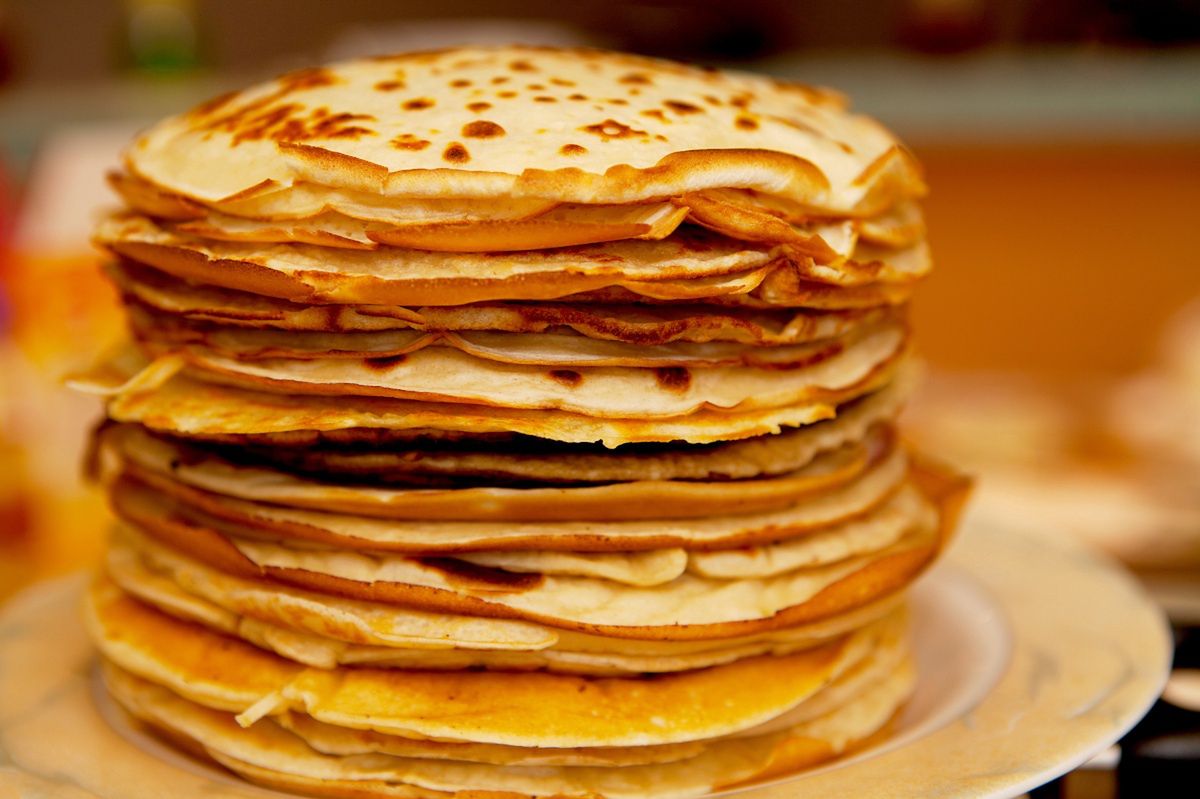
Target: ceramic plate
1033, 656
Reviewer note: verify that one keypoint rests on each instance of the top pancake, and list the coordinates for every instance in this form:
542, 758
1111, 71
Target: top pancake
520, 123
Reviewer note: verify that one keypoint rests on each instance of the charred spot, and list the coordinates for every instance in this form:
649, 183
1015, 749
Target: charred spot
390, 85
459, 83
673, 378
655, 113
545, 98
456, 153
418, 104
482, 129
577, 97
612, 129
521, 65
471, 575
572, 149
407, 141
384, 363
682, 108
478, 107
635, 78
744, 122
568, 377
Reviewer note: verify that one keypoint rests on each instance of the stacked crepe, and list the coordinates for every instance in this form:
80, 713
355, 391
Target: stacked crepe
514, 422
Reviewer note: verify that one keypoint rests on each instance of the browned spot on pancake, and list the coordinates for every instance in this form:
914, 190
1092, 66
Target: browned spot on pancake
209, 106
309, 78
545, 98
418, 104
744, 122
711, 100
456, 153
612, 129
680, 107
385, 363
536, 87
577, 97
656, 113
478, 107
673, 378
500, 79
617, 101
521, 65
508, 95
660, 137
637, 78
572, 149
390, 85
485, 578
562, 82
407, 141
568, 377
482, 129
460, 83
289, 123
741, 100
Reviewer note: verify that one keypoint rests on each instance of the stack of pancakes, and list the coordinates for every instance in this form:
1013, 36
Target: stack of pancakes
514, 422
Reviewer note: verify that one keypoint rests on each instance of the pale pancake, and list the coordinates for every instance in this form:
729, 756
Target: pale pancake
446, 375
563, 349
645, 325
148, 457
700, 130
324, 631
167, 501
524, 709
691, 264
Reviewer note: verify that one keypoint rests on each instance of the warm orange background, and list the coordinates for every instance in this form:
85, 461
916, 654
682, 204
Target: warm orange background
1061, 260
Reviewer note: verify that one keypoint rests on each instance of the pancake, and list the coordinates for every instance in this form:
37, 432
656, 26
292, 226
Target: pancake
643, 324
157, 501
447, 375
325, 632
164, 400
790, 141
564, 349
153, 459
381, 460
691, 264
557, 711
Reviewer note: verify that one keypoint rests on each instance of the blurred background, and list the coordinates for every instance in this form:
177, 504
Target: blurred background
1061, 329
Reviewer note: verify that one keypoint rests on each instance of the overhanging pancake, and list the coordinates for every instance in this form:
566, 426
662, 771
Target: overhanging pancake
533, 709
168, 501
687, 608
446, 375
787, 140
325, 631
155, 460
646, 325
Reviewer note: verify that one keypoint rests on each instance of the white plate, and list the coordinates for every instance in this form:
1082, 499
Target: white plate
1033, 656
